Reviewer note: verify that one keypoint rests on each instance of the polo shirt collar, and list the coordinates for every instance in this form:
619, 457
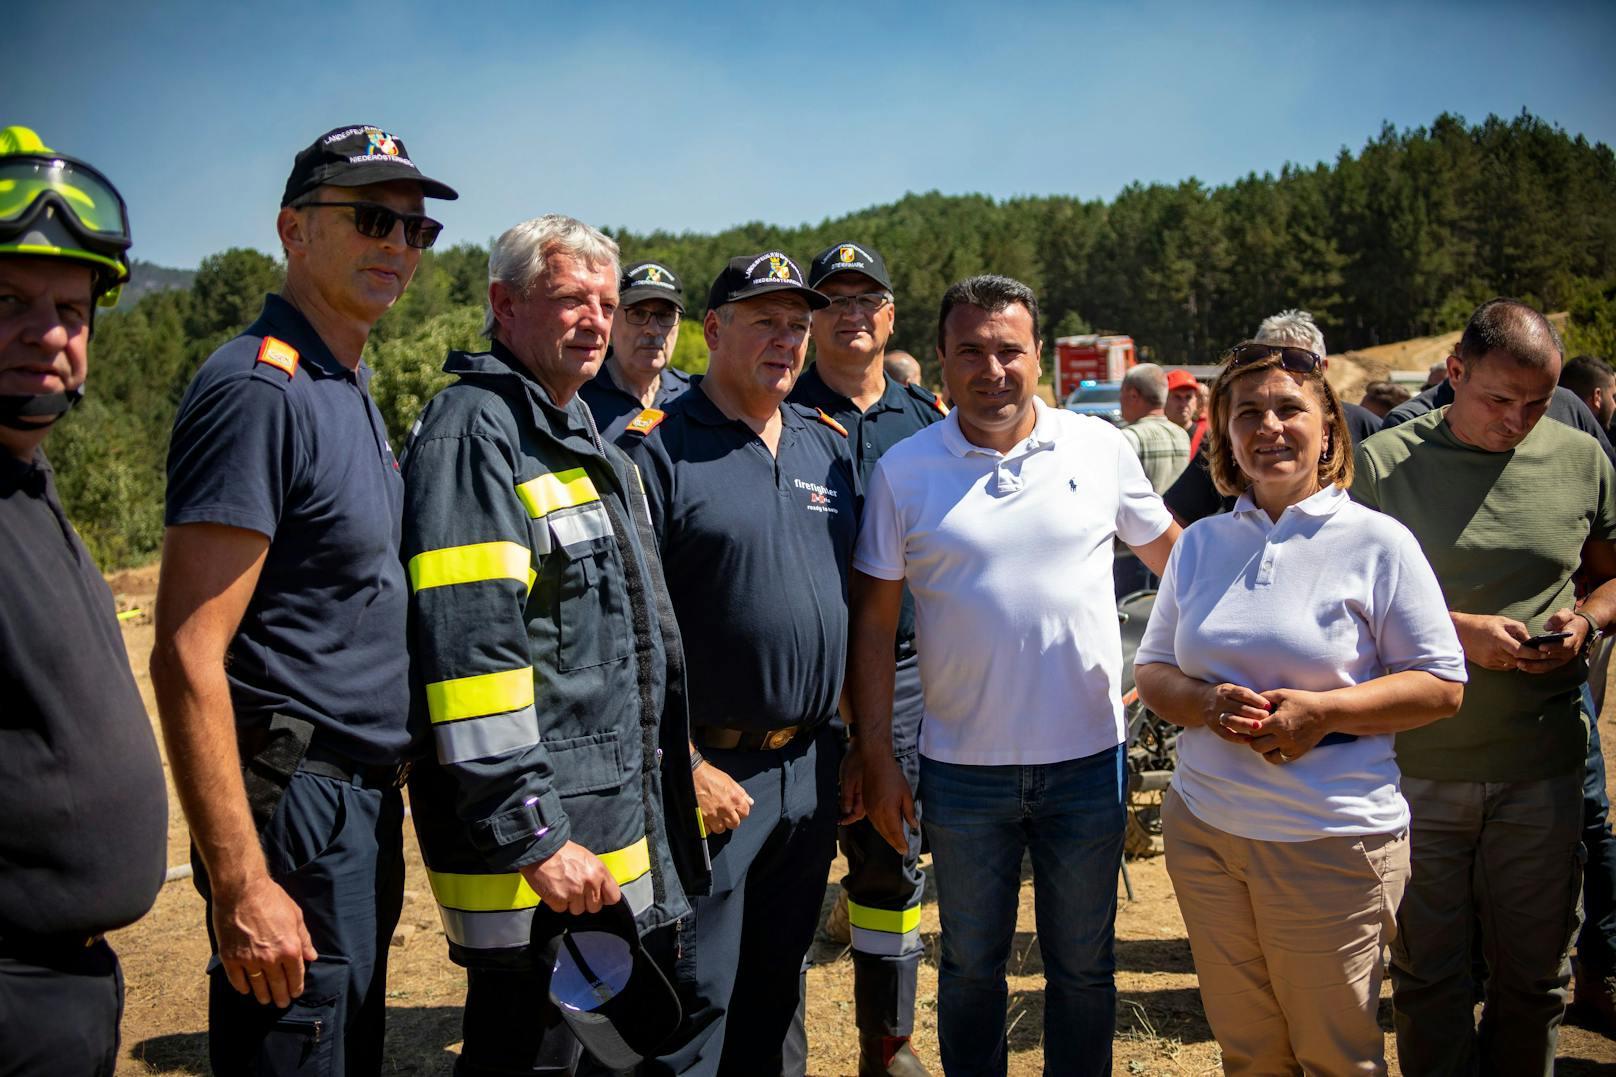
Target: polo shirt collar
1326, 502
701, 409
815, 390
282, 320
1045, 432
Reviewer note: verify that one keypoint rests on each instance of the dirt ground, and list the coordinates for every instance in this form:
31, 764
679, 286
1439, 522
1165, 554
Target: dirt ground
1161, 1029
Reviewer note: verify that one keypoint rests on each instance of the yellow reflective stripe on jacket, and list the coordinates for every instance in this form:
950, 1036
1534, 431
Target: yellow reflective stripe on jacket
473, 697
563, 489
473, 563
504, 892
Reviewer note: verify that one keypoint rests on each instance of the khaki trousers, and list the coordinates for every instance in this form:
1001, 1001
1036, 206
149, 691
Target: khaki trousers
1287, 940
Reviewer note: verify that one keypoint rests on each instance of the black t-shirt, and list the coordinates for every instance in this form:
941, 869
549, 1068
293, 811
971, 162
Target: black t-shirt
85, 814
1193, 497
297, 451
898, 413
756, 549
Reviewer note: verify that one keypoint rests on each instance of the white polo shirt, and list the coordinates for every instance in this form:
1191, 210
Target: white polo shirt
1332, 595
1009, 559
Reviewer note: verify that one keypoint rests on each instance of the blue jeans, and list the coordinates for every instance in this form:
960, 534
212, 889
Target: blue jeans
979, 822
1596, 945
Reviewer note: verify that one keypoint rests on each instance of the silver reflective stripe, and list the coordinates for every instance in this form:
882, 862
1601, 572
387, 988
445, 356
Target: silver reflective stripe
574, 527
509, 929
486, 737
885, 943
488, 930
639, 893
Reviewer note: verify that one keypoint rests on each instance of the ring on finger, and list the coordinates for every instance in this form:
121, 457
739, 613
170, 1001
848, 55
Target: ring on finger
1287, 758
255, 975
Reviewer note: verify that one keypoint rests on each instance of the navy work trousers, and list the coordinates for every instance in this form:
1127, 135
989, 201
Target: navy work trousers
737, 959
337, 849
59, 1010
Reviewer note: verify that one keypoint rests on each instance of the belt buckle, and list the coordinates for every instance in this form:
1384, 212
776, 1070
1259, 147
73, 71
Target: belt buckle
780, 738
403, 774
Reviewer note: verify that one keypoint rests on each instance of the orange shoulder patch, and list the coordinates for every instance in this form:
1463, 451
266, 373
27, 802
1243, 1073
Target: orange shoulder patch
278, 354
937, 402
832, 423
646, 421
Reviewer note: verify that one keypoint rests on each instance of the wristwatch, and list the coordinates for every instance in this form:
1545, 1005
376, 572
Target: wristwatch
1594, 631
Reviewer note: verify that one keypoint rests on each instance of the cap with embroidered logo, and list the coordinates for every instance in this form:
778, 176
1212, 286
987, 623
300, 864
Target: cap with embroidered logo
849, 258
354, 156
759, 274
649, 280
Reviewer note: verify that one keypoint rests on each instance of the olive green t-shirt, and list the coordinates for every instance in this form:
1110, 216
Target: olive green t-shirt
1504, 532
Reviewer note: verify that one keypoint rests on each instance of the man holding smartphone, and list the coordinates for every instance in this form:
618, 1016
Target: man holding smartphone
1504, 508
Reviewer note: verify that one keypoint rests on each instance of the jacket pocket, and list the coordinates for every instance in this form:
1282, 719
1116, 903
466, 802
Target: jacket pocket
591, 598
589, 764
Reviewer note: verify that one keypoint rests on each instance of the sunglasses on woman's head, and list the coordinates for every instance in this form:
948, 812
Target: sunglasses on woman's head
1295, 360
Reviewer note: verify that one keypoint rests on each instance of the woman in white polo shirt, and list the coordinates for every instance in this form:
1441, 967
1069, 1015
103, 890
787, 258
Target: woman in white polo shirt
1292, 638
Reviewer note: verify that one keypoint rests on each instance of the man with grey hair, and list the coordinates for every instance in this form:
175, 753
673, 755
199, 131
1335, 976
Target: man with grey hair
1508, 509
549, 667
1163, 447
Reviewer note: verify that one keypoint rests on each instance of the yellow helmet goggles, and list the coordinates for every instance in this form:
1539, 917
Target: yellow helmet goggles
55, 206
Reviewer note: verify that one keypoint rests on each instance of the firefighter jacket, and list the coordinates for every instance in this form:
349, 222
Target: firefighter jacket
546, 658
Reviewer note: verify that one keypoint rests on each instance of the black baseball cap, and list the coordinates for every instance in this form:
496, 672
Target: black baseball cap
353, 156
649, 280
760, 274
614, 998
849, 258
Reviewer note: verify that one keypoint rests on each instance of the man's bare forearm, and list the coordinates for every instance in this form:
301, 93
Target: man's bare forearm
199, 728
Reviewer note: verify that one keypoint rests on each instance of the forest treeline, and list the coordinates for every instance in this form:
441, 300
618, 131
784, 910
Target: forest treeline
1401, 238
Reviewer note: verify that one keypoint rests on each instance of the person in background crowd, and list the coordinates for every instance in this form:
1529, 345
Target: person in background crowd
1436, 375
1162, 445
638, 372
280, 662
848, 381
549, 673
1021, 744
1286, 836
753, 502
1194, 496
1592, 379
81, 787
902, 367
1507, 509
1186, 406
1382, 396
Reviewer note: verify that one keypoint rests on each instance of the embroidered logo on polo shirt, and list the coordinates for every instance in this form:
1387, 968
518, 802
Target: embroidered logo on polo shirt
820, 498
278, 354
1072, 483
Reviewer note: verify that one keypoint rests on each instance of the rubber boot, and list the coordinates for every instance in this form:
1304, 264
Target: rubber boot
888, 1056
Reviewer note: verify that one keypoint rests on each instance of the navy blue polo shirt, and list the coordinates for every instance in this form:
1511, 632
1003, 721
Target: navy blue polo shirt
299, 453
755, 549
900, 411
614, 406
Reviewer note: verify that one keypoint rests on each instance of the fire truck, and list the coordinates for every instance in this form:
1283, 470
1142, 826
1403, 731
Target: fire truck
1090, 358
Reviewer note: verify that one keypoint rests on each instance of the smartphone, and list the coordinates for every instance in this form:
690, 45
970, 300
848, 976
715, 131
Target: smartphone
1546, 638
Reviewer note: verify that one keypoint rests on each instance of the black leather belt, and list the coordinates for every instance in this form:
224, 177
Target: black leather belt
368, 775
24, 947
749, 740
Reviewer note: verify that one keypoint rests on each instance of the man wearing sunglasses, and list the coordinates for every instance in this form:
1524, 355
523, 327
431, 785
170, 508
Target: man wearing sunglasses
81, 787
638, 372
280, 663
848, 381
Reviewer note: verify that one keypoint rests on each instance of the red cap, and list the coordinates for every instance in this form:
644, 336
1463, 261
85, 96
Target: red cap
1180, 379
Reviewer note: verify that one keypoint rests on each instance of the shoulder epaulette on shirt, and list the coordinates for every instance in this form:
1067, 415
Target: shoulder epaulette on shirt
927, 397
646, 421
832, 423
278, 354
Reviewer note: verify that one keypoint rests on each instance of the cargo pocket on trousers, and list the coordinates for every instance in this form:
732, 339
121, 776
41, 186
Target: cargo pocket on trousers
303, 1040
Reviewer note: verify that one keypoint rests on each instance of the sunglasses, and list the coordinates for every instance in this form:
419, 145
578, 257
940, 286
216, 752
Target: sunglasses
638, 315
1295, 360
375, 221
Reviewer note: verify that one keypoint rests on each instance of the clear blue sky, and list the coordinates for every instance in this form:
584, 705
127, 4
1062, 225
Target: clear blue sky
695, 117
